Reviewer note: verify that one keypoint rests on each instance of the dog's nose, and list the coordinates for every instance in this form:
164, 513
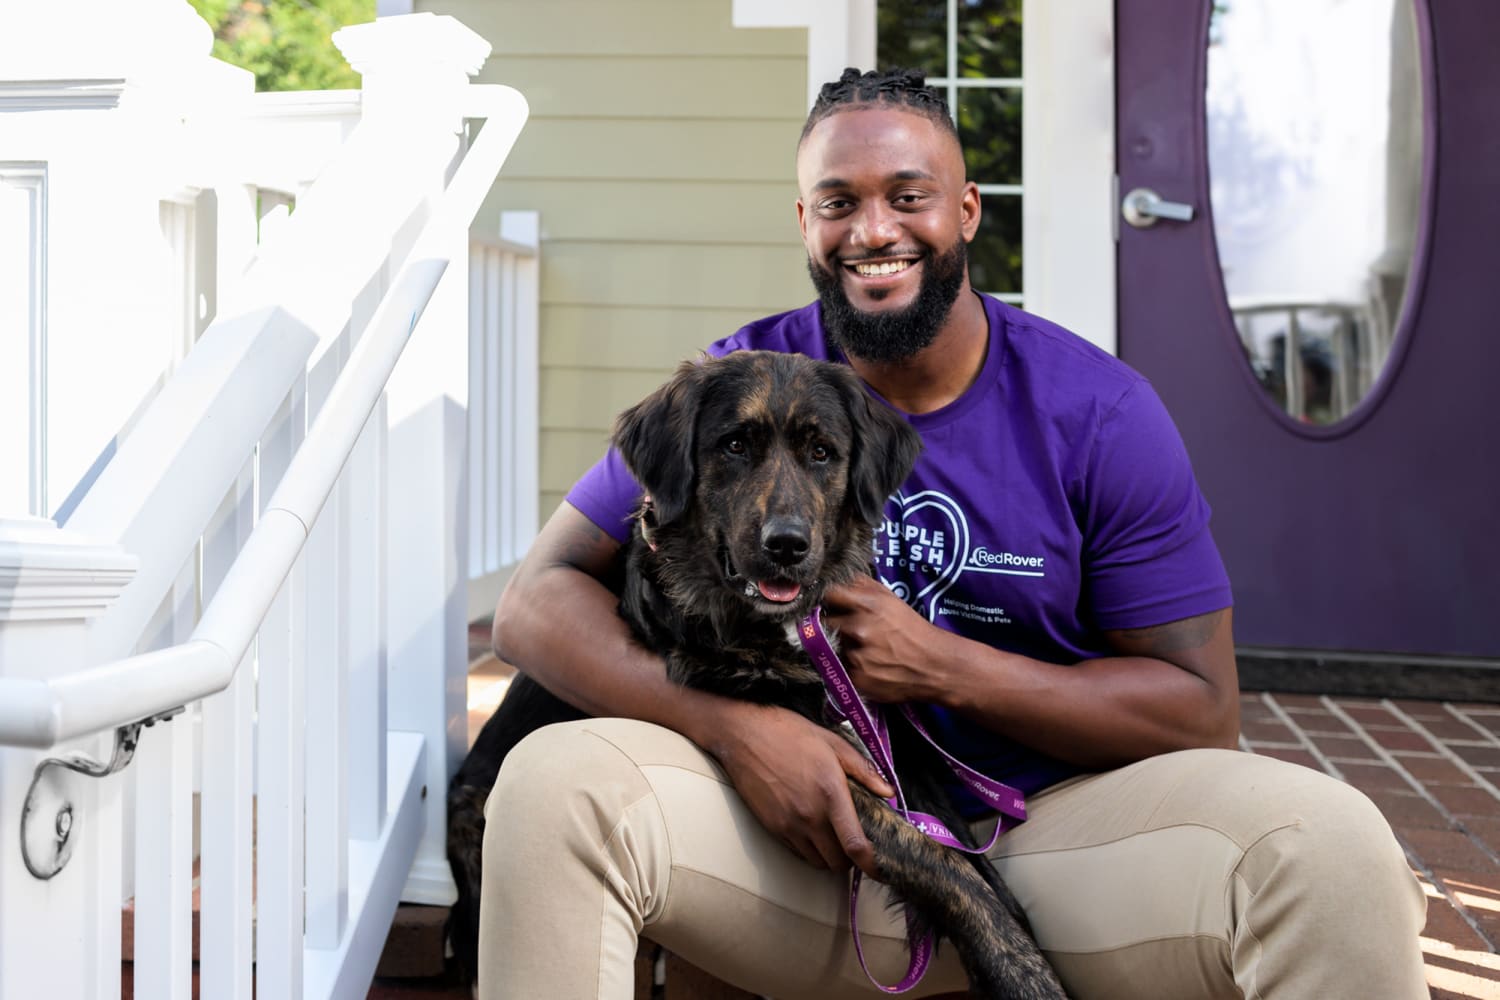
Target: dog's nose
785, 540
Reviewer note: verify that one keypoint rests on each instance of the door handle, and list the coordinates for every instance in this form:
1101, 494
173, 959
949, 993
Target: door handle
1143, 206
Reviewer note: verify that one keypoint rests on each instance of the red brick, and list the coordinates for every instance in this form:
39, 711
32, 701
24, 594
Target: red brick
1321, 723
1292, 702
1421, 709
1367, 713
1452, 851
1434, 770
1399, 738
1445, 924
1371, 778
1345, 747
1267, 731
1486, 830
1450, 728
1464, 800
1488, 756
1408, 811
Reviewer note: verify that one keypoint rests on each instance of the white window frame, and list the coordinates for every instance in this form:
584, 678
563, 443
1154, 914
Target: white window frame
32, 382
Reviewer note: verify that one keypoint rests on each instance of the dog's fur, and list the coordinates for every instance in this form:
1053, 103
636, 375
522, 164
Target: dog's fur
767, 474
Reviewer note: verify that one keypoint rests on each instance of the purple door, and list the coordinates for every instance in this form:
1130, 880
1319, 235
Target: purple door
1347, 438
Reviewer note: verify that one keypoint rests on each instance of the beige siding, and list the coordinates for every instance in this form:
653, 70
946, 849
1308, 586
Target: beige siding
660, 156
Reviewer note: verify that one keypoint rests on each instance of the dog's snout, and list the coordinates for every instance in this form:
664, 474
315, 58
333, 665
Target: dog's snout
785, 540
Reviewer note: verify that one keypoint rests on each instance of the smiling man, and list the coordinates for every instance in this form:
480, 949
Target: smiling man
1048, 597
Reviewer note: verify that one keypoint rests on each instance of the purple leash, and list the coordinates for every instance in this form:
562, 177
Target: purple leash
870, 727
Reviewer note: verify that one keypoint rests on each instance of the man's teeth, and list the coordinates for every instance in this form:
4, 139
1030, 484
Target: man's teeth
875, 270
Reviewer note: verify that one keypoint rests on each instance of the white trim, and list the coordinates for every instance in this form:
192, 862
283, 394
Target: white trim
31, 178
60, 95
1068, 164
50, 574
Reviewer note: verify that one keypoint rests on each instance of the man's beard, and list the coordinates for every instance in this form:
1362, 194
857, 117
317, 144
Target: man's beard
888, 337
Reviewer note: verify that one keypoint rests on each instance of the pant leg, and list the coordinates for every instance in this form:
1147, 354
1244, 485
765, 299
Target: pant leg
603, 830
1213, 873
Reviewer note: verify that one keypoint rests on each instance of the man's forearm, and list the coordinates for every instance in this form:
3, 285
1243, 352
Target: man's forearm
1102, 712
560, 626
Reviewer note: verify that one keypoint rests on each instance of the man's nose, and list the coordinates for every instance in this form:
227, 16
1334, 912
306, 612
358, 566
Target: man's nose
876, 226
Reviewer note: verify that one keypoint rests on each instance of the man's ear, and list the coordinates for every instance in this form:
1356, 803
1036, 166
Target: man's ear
656, 439
972, 211
802, 220
884, 450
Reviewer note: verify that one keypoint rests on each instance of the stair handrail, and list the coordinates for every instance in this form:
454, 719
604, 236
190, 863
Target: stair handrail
40, 713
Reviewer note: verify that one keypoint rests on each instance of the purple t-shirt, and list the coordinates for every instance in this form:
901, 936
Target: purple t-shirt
1052, 501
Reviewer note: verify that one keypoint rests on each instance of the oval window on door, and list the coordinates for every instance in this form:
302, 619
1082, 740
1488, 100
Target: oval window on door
1315, 177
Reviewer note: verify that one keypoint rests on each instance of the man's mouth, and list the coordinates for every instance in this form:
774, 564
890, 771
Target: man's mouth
881, 269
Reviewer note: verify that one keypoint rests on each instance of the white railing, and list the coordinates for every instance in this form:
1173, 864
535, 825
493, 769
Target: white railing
262, 494
504, 319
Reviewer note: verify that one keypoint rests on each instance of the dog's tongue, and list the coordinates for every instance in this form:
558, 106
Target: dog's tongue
779, 592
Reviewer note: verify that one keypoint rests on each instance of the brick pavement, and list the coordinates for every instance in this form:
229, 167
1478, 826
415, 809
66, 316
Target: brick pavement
1433, 768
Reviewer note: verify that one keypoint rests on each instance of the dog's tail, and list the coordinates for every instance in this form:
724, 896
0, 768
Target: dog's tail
949, 894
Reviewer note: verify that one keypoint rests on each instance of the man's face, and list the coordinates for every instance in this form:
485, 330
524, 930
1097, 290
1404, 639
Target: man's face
885, 214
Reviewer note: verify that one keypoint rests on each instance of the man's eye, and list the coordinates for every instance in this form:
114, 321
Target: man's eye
736, 446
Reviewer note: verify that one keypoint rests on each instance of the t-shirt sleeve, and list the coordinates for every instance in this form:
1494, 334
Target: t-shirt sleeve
1149, 557
606, 494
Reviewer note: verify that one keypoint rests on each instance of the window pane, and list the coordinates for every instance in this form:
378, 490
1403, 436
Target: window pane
912, 33
995, 253
989, 38
989, 125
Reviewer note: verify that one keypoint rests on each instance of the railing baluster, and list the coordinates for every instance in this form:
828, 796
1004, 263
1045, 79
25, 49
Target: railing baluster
366, 630
479, 427
164, 830
524, 228
226, 798
279, 718
327, 763
497, 426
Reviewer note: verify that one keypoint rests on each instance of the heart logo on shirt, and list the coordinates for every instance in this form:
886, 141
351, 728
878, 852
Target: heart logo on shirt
922, 548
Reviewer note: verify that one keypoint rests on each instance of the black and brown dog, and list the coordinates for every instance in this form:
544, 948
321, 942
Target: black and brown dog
768, 475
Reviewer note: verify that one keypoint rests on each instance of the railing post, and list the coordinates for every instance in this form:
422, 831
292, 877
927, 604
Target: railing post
419, 65
59, 937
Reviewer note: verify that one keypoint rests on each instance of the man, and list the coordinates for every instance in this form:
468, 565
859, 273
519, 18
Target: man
1050, 595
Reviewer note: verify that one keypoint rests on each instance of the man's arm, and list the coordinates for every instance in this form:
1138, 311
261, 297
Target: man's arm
1169, 687
558, 623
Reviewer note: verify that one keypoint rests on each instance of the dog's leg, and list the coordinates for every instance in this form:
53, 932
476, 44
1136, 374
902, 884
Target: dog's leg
999, 955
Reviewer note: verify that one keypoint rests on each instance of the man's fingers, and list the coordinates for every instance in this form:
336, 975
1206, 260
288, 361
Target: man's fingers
861, 768
853, 844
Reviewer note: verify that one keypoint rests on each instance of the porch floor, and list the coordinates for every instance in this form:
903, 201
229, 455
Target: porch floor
1432, 767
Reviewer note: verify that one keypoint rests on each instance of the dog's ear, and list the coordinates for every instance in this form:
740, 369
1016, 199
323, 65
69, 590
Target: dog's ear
885, 447
656, 436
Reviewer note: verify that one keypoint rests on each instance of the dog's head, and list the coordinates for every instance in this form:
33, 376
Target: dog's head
767, 474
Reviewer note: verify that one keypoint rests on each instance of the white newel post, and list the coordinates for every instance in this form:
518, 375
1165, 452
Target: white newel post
59, 936
419, 65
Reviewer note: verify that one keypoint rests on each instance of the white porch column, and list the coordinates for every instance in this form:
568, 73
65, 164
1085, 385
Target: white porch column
58, 937
419, 65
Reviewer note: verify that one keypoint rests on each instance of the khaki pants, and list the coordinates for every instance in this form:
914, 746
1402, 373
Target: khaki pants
1201, 874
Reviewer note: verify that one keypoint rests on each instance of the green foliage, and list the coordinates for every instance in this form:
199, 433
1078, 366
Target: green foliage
285, 43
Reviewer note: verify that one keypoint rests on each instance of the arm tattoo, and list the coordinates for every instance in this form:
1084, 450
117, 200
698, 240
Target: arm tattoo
580, 546
1175, 637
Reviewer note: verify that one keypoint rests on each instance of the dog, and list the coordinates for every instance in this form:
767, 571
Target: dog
766, 476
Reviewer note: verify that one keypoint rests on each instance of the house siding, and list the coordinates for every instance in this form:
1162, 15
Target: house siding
659, 155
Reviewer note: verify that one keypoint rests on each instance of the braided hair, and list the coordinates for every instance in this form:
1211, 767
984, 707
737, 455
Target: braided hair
905, 89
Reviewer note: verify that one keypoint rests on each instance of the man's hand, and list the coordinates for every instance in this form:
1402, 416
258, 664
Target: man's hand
793, 773
887, 646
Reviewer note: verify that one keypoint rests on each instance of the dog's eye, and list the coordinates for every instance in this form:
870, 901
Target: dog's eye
736, 446
820, 454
